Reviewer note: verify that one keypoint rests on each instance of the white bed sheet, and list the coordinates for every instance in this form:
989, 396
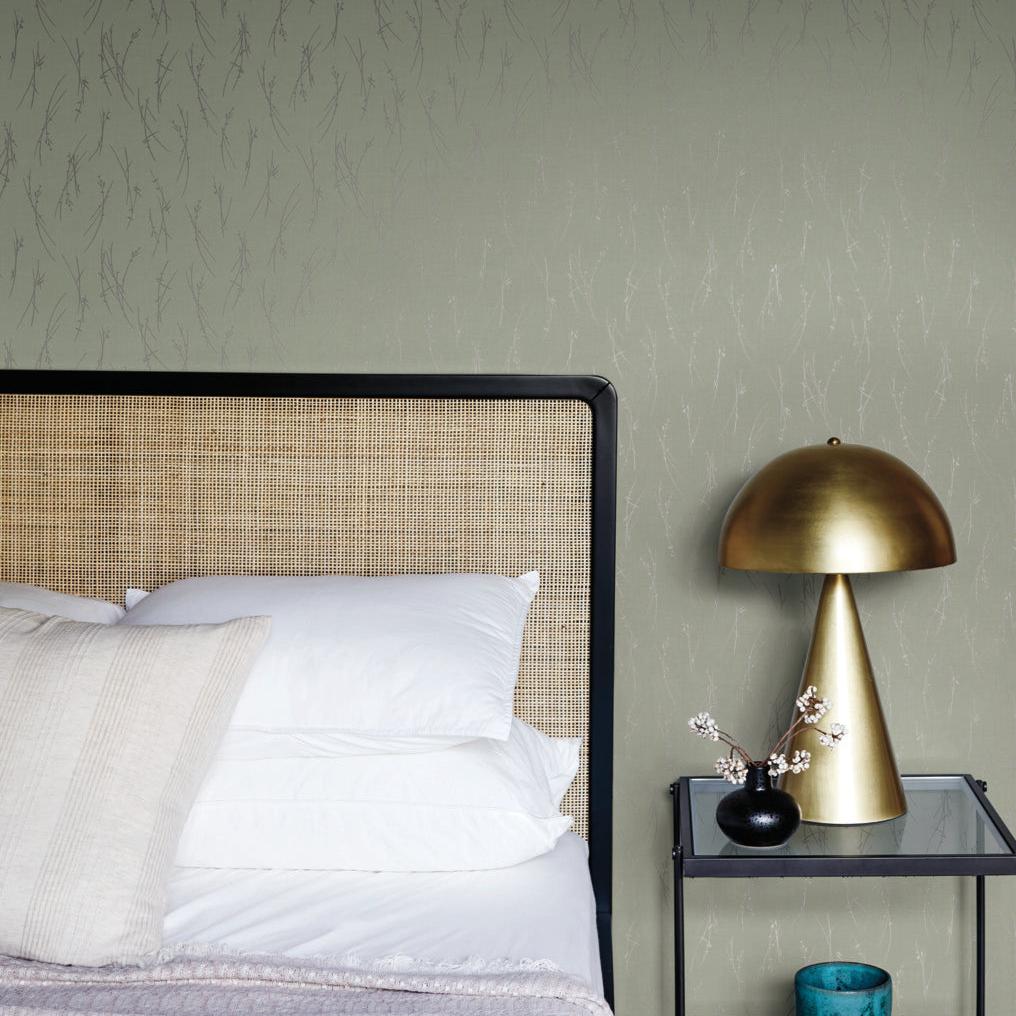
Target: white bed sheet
537, 912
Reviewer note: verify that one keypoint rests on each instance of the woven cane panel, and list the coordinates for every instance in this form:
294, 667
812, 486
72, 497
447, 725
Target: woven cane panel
98, 493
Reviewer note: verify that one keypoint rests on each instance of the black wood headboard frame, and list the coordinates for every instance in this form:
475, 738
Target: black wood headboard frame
594, 391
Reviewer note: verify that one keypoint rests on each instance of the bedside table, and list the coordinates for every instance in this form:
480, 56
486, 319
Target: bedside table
950, 829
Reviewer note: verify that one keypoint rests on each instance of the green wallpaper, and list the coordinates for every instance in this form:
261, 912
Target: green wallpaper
767, 221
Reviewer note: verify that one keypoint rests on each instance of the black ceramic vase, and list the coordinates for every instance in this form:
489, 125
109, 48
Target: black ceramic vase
758, 815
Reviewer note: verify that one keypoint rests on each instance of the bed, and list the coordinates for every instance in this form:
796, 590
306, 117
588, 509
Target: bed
112, 480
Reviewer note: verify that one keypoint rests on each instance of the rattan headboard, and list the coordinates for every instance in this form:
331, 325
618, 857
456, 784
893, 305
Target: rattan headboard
110, 480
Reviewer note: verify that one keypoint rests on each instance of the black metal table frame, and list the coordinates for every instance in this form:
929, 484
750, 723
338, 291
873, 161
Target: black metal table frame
687, 865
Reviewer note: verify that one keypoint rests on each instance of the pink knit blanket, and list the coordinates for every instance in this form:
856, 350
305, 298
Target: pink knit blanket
209, 985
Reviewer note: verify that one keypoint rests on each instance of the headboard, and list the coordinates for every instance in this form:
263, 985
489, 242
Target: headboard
117, 479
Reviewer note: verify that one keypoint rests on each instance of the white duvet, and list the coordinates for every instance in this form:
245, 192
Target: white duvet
539, 915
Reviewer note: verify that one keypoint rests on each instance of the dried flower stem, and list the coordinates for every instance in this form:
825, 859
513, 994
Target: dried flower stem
797, 725
734, 746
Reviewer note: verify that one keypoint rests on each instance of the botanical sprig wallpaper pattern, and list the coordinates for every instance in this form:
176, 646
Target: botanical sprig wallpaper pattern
766, 221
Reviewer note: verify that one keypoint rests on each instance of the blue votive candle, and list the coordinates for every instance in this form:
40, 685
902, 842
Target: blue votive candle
843, 989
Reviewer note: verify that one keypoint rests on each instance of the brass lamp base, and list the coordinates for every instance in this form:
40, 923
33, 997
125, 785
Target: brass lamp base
857, 781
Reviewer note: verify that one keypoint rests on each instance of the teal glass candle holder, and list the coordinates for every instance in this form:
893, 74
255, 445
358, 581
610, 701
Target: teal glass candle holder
843, 989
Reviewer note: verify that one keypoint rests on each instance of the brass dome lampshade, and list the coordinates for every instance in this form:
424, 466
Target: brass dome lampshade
837, 509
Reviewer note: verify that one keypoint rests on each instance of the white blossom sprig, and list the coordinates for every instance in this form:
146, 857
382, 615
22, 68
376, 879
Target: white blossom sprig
705, 726
732, 769
811, 706
733, 766
835, 734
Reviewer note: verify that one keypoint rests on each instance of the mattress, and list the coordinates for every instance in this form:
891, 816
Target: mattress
539, 915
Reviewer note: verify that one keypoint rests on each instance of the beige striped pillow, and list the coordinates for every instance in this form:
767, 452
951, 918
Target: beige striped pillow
106, 732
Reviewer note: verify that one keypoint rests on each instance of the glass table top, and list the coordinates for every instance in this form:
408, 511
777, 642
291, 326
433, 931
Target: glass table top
944, 818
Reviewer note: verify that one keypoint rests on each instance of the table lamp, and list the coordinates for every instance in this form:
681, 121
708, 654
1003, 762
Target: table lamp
836, 509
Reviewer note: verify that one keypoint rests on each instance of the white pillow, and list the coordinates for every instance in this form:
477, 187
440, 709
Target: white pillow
245, 743
560, 761
19, 596
400, 656
484, 804
560, 757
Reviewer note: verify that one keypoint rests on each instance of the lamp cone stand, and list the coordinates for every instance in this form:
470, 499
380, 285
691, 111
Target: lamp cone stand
857, 781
